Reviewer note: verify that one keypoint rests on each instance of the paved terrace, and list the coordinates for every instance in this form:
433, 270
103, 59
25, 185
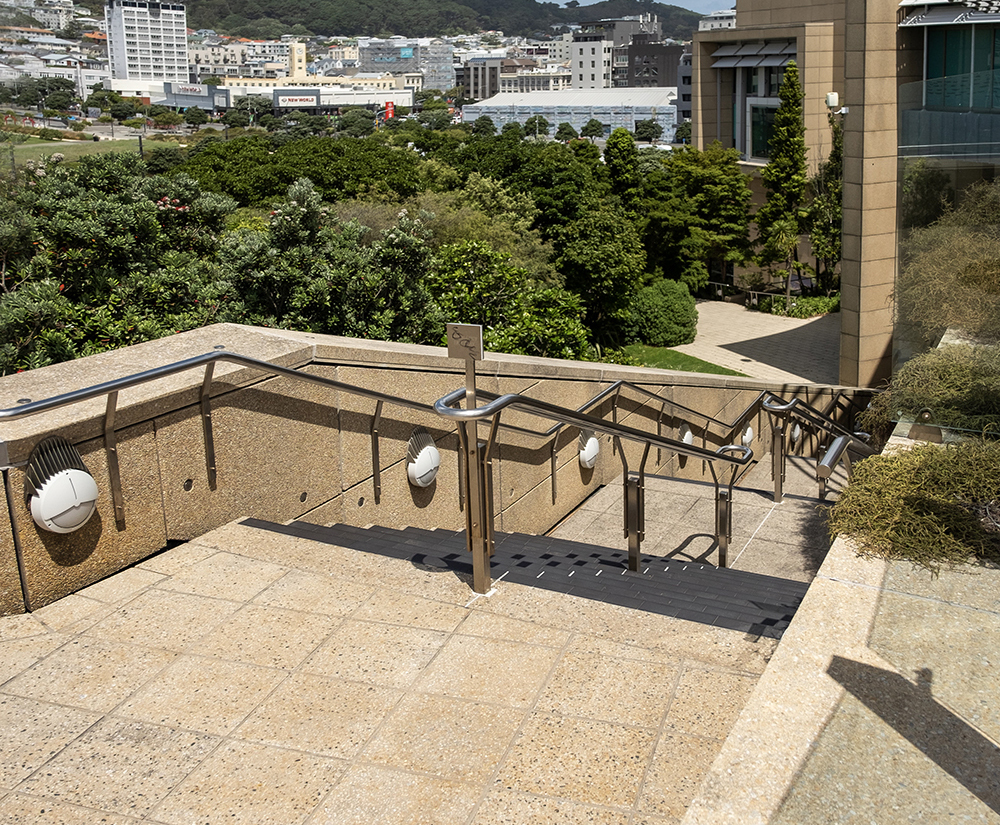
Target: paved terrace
249, 676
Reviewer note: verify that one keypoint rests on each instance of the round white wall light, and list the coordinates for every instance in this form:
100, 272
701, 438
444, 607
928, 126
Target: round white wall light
687, 436
748, 436
63, 495
796, 434
422, 459
590, 448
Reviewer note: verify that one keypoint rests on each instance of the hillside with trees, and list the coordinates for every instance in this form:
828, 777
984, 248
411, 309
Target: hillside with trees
331, 226
419, 18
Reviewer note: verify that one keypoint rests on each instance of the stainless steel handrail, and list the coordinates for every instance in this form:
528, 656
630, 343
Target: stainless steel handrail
612, 391
498, 403
814, 417
128, 381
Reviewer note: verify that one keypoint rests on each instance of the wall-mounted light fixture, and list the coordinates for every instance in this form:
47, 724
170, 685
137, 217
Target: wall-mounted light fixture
422, 459
62, 493
590, 448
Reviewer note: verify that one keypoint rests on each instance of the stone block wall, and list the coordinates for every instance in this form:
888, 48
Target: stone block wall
287, 449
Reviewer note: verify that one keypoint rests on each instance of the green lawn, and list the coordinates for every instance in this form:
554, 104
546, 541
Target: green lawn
35, 149
664, 358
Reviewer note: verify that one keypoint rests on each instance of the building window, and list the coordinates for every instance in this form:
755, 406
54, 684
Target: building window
761, 129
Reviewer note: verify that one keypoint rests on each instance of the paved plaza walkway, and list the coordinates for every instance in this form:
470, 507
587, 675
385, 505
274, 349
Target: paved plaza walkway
768, 347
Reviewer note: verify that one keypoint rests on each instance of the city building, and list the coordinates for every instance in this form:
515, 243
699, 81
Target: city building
431, 56
550, 78
315, 99
593, 58
147, 40
724, 19
649, 62
684, 87
481, 77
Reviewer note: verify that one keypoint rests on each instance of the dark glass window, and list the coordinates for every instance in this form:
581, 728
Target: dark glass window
761, 128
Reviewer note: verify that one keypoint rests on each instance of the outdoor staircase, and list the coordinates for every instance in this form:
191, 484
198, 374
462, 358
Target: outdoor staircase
732, 599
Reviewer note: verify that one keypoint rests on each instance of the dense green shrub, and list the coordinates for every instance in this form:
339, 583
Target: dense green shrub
953, 386
931, 505
801, 307
665, 314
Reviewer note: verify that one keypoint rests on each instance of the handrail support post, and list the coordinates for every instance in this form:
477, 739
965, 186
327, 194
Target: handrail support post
778, 458
114, 469
723, 522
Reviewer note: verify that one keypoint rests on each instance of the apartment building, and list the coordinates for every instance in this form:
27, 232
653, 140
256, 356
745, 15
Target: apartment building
147, 40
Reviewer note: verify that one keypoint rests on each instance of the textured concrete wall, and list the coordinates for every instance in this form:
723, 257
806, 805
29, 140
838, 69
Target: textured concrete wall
287, 449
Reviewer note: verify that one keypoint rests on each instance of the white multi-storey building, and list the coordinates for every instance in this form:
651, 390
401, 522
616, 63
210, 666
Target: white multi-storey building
147, 40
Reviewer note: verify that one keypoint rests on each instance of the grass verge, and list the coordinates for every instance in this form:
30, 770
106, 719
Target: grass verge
665, 358
34, 149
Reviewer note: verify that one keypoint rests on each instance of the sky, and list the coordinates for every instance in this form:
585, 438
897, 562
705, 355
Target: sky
700, 6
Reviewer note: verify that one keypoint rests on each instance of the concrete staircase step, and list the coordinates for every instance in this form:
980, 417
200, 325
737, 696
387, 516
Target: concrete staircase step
733, 599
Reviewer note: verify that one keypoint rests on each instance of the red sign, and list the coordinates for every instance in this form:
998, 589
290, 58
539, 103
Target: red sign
390, 109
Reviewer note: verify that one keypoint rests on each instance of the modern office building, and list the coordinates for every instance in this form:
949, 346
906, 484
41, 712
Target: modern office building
908, 78
147, 40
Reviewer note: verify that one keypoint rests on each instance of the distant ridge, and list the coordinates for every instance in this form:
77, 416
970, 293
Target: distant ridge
418, 18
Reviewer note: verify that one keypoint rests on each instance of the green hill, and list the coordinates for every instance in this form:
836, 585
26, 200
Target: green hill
417, 18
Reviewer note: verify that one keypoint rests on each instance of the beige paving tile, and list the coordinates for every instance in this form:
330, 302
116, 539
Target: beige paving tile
33, 732
122, 585
627, 691
595, 645
161, 619
369, 794
173, 561
267, 636
226, 576
18, 809
90, 673
68, 611
708, 702
941, 770
493, 626
330, 717
17, 655
120, 766
676, 773
246, 782
413, 611
578, 759
381, 654
509, 808
957, 645
509, 673
450, 738
202, 694
315, 593
21, 627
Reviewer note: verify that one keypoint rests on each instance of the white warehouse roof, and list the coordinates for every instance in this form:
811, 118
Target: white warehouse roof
653, 96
